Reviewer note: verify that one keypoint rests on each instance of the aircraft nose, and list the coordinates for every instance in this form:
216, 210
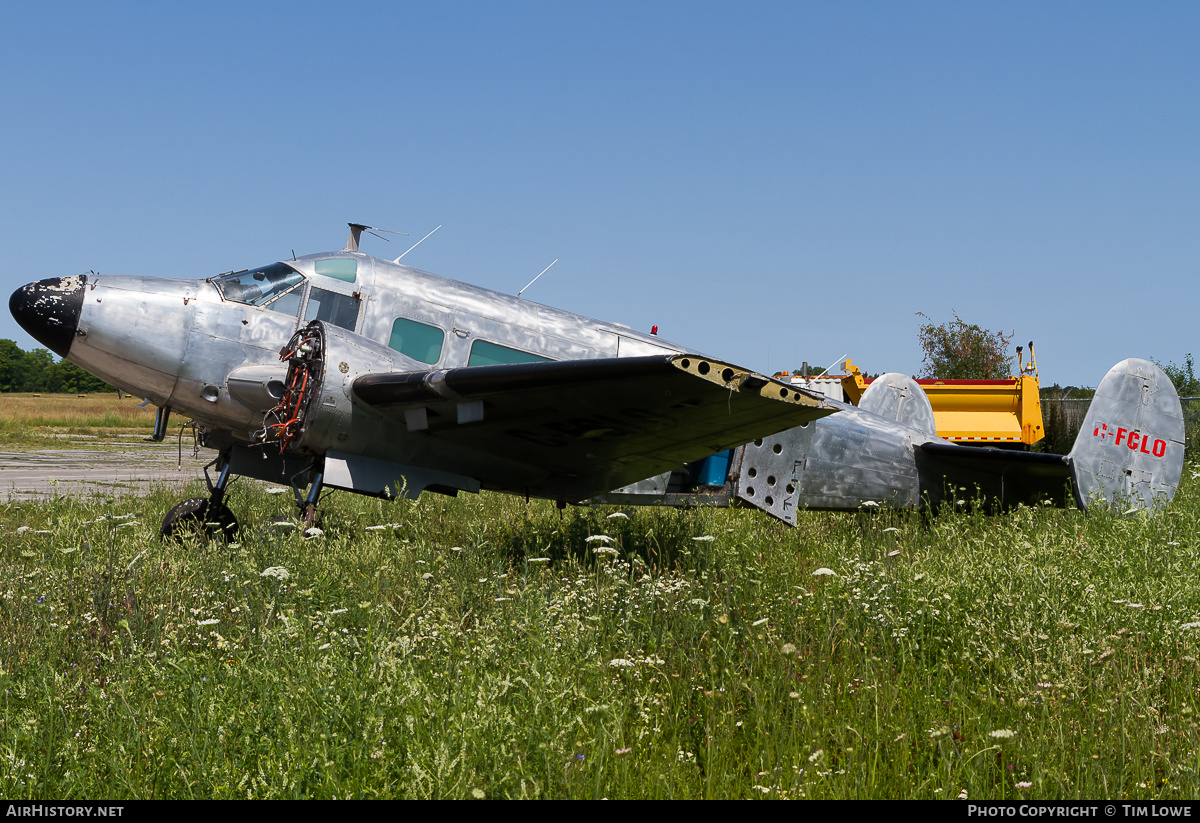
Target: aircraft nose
49, 310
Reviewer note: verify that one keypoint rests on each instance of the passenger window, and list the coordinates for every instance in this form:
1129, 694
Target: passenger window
484, 353
419, 341
335, 309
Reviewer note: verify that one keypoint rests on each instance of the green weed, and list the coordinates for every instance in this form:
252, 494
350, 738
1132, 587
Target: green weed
486, 647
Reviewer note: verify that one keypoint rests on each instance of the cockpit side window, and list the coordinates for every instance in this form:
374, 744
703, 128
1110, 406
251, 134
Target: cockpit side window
288, 302
336, 309
257, 286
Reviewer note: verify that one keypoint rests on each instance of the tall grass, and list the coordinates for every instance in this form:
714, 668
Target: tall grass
486, 648
26, 418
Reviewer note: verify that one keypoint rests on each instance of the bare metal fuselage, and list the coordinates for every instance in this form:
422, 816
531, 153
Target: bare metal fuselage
210, 350
177, 341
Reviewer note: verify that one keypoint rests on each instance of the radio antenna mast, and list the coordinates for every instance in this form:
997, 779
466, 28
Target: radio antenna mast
534, 280
414, 245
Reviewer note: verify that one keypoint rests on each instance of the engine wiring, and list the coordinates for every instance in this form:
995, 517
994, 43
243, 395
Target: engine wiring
285, 421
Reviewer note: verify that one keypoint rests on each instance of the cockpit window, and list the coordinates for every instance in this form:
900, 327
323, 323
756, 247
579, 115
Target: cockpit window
257, 286
341, 268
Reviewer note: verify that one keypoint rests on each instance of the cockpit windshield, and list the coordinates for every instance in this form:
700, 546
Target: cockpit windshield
258, 286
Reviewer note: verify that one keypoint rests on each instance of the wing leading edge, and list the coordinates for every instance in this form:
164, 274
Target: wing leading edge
574, 429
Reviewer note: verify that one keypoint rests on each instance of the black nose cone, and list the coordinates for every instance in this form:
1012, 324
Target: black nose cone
49, 310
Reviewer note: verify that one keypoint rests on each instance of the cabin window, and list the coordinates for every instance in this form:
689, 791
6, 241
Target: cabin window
419, 341
257, 286
339, 268
335, 309
484, 353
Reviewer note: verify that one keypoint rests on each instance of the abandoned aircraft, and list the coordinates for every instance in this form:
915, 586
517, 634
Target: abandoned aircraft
345, 371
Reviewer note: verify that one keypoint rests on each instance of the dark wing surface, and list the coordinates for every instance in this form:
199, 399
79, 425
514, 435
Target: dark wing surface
574, 429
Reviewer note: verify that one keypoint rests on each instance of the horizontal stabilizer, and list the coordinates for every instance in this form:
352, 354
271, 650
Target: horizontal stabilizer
1002, 476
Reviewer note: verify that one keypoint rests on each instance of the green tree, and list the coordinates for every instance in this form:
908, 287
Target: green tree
1184, 377
36, 371
958, 350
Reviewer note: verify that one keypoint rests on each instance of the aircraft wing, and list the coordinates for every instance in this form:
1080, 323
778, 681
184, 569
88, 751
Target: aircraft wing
573, 429
952, 472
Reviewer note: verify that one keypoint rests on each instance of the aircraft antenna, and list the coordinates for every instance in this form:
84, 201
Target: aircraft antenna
414, 245
356, 230
534, 280
840, 360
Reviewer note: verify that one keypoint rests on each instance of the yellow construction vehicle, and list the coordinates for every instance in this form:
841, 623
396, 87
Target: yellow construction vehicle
1003, 413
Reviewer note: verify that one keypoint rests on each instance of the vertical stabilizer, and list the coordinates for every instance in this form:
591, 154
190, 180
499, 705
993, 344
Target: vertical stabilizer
1130, 448
898, 397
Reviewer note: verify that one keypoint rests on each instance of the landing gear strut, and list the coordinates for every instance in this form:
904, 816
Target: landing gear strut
209, 517
308, 505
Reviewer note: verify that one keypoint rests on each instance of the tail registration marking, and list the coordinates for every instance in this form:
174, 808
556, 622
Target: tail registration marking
1135, 440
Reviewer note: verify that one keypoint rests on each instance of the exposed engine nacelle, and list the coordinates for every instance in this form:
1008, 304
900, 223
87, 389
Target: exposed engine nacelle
319, 415
317, 412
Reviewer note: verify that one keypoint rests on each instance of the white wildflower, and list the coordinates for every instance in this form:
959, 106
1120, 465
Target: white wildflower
824, 571
598, 538
617, 516
704, 538
313, 532
890, 529
870, 503
211, 622
621, 662
1003, 734
278, 572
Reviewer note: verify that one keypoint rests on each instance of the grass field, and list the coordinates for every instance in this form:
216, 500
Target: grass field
486, 648
45, 419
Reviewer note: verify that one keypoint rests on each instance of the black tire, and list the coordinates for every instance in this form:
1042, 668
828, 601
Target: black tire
198, 516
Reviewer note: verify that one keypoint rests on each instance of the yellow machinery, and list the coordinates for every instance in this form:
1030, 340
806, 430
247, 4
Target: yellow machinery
976, 412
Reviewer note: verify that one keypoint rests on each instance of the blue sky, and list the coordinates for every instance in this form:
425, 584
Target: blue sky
767, 182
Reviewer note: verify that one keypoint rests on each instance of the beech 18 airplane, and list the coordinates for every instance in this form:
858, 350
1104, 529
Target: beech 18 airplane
346, 371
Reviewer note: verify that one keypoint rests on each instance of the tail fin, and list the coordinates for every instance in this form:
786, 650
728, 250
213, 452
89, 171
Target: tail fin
1130, 448
898, 397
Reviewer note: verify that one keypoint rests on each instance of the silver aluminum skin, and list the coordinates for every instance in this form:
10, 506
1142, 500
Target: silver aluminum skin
385, 423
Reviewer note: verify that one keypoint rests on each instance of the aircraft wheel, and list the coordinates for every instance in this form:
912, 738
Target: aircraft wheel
198, 515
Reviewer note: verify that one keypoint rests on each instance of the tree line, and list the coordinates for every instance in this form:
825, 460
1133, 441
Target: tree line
38, 371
